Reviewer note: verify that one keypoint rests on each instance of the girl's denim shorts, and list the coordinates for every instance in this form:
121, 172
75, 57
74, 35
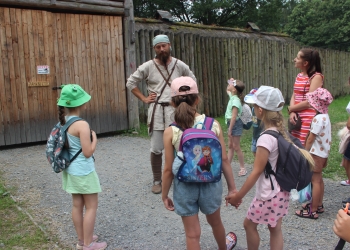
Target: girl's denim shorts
347, 152
237, 129
190, 197
253, 147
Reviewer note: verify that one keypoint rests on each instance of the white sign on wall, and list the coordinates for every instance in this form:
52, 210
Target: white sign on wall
43, 69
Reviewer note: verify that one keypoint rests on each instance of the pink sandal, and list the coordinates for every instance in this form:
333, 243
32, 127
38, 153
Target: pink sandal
231, 240
242, 172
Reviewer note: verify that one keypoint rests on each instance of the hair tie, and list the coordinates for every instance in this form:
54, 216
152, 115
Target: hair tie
183, 99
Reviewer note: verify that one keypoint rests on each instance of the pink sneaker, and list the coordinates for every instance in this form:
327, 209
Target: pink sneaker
96, 246
345, 183
80, 244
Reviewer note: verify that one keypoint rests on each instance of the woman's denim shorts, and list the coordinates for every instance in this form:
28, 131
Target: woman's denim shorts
237, 129
190, 197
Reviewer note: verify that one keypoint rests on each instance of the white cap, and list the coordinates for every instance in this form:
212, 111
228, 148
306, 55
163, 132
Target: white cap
269, 98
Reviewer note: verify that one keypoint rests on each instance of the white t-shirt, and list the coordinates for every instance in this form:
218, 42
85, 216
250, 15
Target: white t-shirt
321, 127
263, 185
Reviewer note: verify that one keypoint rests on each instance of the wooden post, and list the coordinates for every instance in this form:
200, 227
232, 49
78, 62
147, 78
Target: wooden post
130, 63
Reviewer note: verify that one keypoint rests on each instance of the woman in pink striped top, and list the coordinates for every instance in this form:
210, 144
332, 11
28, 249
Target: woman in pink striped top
309, 79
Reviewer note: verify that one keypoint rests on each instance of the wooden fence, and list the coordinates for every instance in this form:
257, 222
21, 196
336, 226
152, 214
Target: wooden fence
215, 55
82, 49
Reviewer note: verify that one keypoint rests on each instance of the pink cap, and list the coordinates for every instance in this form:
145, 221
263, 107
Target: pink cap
183, 85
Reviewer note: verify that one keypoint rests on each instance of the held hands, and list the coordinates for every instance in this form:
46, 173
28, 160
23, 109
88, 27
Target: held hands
168, 203
233, 199
150, 98
341, 225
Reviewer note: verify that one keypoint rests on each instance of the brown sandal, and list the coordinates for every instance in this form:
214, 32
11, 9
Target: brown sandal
307, 214
320, 209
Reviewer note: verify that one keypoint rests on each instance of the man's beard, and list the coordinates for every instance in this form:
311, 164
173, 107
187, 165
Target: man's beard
163, 56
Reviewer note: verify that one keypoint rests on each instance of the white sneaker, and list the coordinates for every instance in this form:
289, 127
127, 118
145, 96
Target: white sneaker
345, 183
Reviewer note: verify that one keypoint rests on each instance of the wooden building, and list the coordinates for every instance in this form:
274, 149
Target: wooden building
47, 43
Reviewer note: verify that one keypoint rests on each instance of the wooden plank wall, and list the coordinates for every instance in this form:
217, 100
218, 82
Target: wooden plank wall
254, 61
82, 49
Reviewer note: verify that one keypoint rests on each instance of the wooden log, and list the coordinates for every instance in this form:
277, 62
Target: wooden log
205, 76
97, 2
27, 23
210, 48
15, 35
46, 91
22, 77
94, 72
111, 107
37, 95
130, 67
123, 108
63, 5
5, 112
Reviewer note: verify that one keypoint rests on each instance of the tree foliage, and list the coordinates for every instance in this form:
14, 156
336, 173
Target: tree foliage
269, 15
321, 23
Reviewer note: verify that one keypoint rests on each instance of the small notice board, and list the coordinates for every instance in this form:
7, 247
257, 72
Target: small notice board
43, 69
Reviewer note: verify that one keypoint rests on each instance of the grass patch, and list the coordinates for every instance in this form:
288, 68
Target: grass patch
17, 230
338, 117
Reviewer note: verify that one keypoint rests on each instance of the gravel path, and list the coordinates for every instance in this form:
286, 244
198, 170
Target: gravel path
131, 217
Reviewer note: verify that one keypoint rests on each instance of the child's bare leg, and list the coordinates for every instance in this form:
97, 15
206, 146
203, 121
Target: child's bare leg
193, 231
231, 151
77, 214
317, 191
251, 231
215, 222
347, 168
91, 202
276, 237
238, 150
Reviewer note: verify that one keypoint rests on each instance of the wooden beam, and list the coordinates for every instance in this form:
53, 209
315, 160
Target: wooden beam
62, 5
130, 62
98, 2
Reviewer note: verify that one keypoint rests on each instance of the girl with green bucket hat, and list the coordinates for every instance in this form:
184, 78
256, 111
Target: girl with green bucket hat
80, 178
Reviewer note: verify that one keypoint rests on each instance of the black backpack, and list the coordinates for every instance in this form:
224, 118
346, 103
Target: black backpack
292, 169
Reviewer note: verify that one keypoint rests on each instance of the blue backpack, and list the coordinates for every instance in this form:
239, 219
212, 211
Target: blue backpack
200, 154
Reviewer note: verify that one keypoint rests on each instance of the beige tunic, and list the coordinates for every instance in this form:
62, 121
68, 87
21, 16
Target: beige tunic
163, 116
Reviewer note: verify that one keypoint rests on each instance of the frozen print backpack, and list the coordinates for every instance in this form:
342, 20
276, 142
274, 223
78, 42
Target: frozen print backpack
56, 152
199, 158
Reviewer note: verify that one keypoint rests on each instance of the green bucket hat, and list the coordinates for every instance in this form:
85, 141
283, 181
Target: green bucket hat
72, 95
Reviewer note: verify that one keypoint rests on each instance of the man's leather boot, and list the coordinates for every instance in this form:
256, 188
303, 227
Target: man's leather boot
156, 162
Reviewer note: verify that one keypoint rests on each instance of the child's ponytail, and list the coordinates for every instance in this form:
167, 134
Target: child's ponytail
313, 57
240, 88
185, 110
61, 115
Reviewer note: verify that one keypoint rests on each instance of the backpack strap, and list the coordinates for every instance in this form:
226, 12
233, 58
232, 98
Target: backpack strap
174, 124
268, 168
208, 123
70, 122
65, 127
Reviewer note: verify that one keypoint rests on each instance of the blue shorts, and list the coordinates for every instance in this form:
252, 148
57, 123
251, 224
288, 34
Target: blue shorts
347, 152
237, 129
190, 197
253, 147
